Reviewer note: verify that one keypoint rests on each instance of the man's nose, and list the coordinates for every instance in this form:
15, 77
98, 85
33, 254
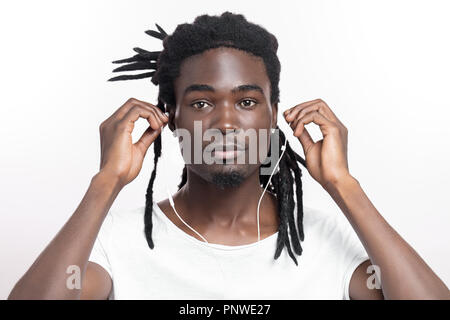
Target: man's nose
226, 118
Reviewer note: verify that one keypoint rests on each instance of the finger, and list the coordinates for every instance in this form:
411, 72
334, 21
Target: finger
287, 111
294, 123
301, 114
290, 114
158, 111
315, 117
123, 110
146, 140
327, 112
130, 103
317, 104
314, 107
137, 112
160, 122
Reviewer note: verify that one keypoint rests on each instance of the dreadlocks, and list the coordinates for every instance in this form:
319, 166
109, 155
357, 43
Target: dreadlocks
208, 32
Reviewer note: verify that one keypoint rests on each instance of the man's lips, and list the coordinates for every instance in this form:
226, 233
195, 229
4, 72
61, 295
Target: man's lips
227, 154
229, 151
229, 147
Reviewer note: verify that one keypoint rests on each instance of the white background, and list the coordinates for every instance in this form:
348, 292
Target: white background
382, 66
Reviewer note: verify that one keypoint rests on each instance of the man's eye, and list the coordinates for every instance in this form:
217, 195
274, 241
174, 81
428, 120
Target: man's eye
199, 104
247, 103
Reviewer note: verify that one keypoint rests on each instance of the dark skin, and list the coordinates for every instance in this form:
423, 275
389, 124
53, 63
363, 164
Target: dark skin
225, 216
228, 217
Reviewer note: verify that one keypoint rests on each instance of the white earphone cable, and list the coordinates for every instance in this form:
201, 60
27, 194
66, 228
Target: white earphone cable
212, 252
283, 148
173, 206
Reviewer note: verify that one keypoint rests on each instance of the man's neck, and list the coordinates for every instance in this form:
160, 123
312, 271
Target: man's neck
208, 203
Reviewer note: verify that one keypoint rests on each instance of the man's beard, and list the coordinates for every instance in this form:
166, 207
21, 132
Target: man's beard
227, 179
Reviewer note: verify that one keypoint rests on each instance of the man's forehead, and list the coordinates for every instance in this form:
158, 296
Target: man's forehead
221, 71
232, 82
221, 55
216, 64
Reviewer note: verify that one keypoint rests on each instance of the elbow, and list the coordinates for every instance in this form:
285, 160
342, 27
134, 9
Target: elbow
15, 294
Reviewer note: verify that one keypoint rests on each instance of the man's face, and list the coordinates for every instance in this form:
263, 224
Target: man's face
218, 104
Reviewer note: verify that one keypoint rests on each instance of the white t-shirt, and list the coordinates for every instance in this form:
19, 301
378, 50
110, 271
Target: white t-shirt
183, 267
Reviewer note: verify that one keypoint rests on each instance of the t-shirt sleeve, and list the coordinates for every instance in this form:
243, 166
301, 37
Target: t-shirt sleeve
351, 251
99, 253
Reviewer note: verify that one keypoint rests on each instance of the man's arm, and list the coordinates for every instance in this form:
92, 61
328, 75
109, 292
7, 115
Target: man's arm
120, 163
403, 273
97, 283
358, 284
47, 277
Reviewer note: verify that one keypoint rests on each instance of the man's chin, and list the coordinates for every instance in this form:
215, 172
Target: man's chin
227, 179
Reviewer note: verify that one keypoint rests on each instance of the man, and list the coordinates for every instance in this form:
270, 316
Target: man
223, 72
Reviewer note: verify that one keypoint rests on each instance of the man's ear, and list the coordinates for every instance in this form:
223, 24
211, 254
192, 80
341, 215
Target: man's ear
274, 114
171, 123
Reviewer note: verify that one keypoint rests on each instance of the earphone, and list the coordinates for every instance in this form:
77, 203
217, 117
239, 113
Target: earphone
283, 149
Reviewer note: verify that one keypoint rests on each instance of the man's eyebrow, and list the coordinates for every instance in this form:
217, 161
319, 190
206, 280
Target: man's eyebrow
247, 87
198, 87
240, 88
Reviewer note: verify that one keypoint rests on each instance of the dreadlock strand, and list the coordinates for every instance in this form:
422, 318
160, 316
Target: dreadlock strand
288, 246
287, 205
298, 188
141, 65
148, 223
300, 159
155, 34
290, 196
161, 30
183, 178
290, 214
160, 35
135, 58
152, 55
282, 229
133, 76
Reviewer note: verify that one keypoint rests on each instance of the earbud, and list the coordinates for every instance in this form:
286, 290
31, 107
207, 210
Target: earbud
283, 147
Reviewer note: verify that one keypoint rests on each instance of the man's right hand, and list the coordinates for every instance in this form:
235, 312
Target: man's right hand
119, 156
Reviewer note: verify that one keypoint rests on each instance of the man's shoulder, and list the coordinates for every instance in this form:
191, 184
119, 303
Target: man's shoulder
315, 216
125, 214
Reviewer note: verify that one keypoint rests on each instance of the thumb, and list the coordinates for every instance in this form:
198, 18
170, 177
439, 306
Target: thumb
305, 140
147, 138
